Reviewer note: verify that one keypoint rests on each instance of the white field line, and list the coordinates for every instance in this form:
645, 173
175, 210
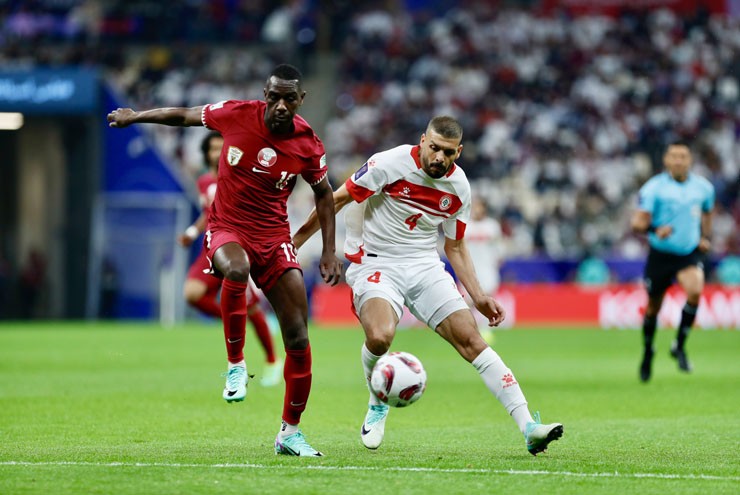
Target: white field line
515, 472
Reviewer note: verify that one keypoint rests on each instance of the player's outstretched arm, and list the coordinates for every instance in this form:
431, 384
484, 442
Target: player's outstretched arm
174, 116
330, 266
340, 197
459, 257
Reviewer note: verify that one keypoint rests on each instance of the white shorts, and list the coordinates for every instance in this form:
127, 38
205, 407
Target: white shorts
424, 286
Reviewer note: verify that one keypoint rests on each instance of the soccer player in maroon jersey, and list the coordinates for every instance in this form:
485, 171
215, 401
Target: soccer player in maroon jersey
266, 146
201, 288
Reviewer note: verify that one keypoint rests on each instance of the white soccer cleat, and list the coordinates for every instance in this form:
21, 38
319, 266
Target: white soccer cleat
272, 374
539, 436
373, 428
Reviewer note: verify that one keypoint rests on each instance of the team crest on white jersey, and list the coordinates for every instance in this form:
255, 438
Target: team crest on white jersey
445, 202
234, 155
267, 157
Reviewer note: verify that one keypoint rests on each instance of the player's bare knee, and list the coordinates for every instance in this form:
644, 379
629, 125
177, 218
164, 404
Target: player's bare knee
378, 341
193, 291
236, 272
191, 297
294, 330
295, 342
693, 297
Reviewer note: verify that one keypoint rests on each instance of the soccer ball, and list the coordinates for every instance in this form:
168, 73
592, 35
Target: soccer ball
398, 379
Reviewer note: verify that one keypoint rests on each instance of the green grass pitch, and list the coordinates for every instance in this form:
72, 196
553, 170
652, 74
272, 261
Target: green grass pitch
130, 408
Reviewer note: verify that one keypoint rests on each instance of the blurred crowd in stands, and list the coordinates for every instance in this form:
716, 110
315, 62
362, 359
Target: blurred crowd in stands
564, 117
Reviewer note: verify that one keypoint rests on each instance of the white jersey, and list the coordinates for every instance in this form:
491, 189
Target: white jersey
403, 207
483, 239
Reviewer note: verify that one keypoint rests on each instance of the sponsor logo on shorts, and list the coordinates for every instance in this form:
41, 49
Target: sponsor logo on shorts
267, 157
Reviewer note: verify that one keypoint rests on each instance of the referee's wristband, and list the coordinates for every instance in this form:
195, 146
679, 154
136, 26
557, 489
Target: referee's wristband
192, 232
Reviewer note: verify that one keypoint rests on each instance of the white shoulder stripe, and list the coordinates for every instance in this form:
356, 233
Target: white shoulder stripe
203, 117
319, 180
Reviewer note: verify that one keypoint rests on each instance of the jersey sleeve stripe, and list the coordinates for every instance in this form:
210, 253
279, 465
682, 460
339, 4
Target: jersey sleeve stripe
318, 180
203, 117
356, 257
358, 193
460, 231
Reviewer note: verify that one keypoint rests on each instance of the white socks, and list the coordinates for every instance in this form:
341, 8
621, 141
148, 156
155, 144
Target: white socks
241, 363
501, 382
287, 429
368, 362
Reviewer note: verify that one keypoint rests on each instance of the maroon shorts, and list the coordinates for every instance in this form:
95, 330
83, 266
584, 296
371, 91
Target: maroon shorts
267, 260
201, 270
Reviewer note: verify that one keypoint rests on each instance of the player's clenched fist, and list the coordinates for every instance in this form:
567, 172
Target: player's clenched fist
120, 117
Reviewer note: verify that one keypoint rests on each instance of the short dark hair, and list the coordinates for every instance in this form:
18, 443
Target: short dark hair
679, 142
206, 143
446, 126
286, 72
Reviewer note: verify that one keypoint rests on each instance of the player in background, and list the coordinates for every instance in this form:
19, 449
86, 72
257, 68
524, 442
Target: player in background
484, 241
397, 201
201, 288
266, 147
675, 210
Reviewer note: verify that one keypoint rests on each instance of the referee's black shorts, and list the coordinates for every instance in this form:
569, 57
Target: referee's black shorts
661, 268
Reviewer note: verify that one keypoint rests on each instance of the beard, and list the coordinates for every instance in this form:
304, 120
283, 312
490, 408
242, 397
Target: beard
436, 170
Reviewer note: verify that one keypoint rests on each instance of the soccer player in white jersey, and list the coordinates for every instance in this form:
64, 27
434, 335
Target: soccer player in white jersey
484, 242
405, 194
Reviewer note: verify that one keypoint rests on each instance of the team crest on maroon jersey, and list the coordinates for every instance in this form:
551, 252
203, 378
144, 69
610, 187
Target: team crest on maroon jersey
233, 155
445, 202
267, 157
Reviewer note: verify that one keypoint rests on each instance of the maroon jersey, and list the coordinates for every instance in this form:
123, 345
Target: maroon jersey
257, 169
206, 191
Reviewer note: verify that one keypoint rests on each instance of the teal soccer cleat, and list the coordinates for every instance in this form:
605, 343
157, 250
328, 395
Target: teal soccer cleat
272, 374
236, 384
538, 436
373, 428
295, 445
